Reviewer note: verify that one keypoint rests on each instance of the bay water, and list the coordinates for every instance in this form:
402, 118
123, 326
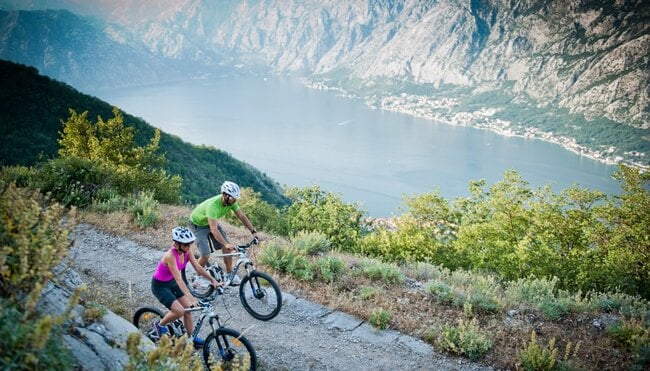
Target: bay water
301, 136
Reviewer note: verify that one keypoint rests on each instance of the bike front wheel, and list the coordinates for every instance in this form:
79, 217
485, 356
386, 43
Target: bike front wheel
227, 349
199, 287
144, 318
260, 295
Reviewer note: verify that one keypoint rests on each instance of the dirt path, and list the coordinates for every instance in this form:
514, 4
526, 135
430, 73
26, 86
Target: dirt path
304, 336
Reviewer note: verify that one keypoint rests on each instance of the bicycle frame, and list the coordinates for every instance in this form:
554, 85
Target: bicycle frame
206, 312
242, 258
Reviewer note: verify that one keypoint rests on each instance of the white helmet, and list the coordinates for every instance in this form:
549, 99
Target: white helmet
182, 235
231, 189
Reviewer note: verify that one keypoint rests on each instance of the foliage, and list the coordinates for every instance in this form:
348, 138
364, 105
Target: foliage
30, 343
327, 268
313, 209
33, 127
144, 209
34, 239
369, 292
289, 260
312, 243
112, 145
169, 354
71, 181
535, 357
262, 214
589, 241
464, 339
388, 274
632, 333
380, 319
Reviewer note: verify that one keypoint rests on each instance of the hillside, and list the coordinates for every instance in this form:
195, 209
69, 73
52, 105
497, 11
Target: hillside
32, 108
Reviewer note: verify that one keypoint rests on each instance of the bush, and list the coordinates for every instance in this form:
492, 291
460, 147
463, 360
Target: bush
262, 214
380, 319
537, 358
288, 260
30, 343
328, 268
34, 239
312, 243
71, 180
441, 292
144, 209
369, 292
388, 274
465, 339
312, 209
169, 354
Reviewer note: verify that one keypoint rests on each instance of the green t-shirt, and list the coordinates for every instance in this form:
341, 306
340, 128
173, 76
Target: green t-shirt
211, 208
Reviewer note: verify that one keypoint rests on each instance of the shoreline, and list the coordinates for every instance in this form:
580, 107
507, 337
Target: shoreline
434, 110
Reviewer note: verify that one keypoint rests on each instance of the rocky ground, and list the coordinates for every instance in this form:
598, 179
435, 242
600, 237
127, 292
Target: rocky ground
304, 336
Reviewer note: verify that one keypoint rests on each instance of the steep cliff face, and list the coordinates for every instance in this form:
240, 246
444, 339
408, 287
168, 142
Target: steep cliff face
77, 51
591, 57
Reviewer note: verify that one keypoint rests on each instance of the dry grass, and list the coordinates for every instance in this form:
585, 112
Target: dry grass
413, 311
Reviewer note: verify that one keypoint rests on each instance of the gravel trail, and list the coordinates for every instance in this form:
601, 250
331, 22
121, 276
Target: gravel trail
304, 336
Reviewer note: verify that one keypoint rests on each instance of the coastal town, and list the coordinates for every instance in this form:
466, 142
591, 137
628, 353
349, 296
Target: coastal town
440, 110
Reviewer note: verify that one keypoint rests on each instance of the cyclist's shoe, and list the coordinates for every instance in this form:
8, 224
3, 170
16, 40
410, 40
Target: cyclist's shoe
160, 330
235, 281
198, 342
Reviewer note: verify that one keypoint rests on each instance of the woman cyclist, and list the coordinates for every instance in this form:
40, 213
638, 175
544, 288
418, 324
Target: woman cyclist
168, 286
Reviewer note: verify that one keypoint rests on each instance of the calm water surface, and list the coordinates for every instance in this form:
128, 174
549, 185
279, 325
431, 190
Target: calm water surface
301, 136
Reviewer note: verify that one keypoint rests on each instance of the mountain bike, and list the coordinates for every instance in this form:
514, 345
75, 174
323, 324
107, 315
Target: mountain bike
258, 292
224, 348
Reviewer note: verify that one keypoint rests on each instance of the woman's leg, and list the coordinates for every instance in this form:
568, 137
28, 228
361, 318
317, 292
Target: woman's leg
176, 311
184, 302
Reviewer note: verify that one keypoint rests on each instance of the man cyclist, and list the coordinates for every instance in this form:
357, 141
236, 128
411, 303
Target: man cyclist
208, 231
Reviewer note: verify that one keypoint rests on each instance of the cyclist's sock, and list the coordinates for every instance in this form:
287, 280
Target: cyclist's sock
199, 341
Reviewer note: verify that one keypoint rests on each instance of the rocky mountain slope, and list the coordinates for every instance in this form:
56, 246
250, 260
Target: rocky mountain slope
572, 69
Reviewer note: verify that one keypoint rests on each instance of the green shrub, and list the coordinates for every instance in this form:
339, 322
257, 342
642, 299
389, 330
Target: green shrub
386, 273
538, 358
465, 339
262, 214
632, 333
312, 243
144, 209
369, 292
22, 176
312, 209
536, 291
288, 260
108, 200
441, 292
380, 319
72, 181
34, 239
31, 343
169, 354
328, 268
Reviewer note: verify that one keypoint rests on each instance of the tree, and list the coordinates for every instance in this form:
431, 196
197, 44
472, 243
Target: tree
112, 146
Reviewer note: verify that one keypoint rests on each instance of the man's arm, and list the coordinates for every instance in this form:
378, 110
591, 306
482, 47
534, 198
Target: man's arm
247, 223
217, 234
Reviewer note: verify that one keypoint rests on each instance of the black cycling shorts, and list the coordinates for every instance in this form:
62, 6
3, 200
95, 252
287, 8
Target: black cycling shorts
166, 292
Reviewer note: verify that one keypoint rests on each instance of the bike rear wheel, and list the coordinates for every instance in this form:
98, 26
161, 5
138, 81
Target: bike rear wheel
227, 349
144, 318
260, 295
